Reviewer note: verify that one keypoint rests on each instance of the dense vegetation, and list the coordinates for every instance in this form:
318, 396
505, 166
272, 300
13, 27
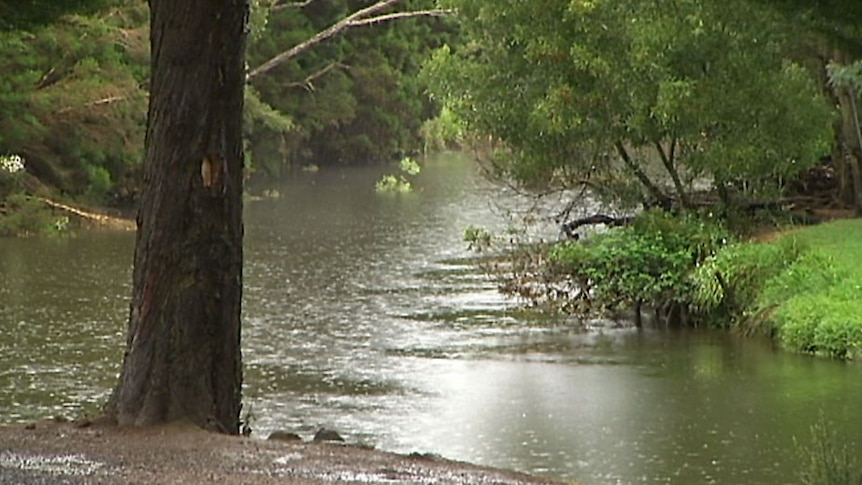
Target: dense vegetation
73, 99
708, 111
351, 100
636, 100
722, 115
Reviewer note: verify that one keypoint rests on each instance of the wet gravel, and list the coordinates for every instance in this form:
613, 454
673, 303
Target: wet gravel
17, 477
66, 454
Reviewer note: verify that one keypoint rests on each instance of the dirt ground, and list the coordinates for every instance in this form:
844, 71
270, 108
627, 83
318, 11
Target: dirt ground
65, 453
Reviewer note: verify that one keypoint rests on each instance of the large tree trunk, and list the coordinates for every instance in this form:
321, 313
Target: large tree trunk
182, 359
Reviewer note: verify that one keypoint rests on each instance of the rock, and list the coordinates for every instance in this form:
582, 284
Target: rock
324, 434
283, 436
426, 456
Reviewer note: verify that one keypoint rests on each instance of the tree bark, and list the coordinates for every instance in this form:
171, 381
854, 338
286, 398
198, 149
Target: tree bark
182, 358
654, 191
668, 159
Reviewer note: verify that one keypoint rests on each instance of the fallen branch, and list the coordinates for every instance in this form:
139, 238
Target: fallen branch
99, 219
98, 102
569, 227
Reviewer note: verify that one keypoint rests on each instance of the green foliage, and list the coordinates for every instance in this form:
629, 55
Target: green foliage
839, 21
478, 239
569, 85
443, 132
816, 302
828, 460
802, 289
825, 322
392, 184
649, 261
352, 99
267, 132
100, 183
409, 166
849, 76
32, 13
810, 272
399, 183
21, 215
73, 97
729, 283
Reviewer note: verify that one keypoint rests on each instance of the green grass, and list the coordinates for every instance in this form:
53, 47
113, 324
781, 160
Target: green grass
840, 239
814, 302
803, 288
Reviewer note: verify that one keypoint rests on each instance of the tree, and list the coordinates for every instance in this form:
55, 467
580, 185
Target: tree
661, 93
832, 40
347, 82
182, 358
22, 14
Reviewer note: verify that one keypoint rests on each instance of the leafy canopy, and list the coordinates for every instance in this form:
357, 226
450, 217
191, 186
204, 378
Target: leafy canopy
579, 87
24, 14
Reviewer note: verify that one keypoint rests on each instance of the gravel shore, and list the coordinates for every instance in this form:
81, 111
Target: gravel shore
68, 454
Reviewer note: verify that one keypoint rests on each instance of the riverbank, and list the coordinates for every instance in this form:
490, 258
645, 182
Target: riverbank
812, 303
65, 453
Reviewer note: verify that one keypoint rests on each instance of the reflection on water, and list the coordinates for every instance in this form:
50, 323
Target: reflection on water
361, 316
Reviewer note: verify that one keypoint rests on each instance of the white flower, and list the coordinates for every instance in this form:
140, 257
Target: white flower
11, 163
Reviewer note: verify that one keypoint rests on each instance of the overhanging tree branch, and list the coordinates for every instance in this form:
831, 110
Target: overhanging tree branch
401, 15
284, 5
308, 82
667, 159
652, 188
356, 19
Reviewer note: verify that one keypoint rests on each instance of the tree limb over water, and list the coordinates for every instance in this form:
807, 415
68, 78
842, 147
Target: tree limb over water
356, 19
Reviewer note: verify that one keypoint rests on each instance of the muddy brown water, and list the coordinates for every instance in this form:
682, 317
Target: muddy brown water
361, 315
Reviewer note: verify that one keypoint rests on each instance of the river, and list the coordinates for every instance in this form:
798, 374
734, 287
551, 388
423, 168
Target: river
361, 314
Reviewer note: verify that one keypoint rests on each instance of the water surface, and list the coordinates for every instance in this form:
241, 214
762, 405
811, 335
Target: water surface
361, 314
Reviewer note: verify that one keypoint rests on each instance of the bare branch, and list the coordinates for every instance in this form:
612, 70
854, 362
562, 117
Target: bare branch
98, 102
283, 5
307, 83
319, 37
401, 15
358, 18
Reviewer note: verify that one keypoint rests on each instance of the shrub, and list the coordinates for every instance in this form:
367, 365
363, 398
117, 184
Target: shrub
649, 261
727, 285
827, 322
11, 168
100, 183
25, 216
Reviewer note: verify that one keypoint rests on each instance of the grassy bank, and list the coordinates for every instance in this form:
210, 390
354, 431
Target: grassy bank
803, 288
800, 287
